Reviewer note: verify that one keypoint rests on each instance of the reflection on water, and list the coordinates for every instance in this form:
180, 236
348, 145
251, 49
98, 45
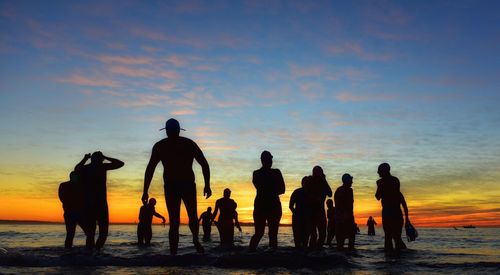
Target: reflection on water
446, 250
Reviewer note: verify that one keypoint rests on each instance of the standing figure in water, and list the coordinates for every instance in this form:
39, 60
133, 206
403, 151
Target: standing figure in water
95, 195
176, 154
345, 228
267, 206
144, 230
388, 190
371, 226
300, 207
320, 190
206, 219
70, 194
330, 229
228, 218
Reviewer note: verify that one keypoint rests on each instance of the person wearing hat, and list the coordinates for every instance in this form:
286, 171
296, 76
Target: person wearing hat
388, 191
94, 177
267, 206
144, 230
345, 228
176, 154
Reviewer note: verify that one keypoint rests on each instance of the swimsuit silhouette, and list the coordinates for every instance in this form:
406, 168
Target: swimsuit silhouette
330, 214
267, 206
70, 194
371, 226
345, 227
144, 230
176, 154
320, 190
95, 195
227, 219
206, 219
388, 190
301, 219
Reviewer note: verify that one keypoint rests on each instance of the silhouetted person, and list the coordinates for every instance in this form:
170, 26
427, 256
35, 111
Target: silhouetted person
176, 154
70, 194
301, 208
96, 204
206, 223
320, 190
227, 218
345, 227
144, 230
330, 229
267, 206
371, 226
388, 190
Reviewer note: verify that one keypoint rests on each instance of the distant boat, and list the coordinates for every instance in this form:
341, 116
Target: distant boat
469, 226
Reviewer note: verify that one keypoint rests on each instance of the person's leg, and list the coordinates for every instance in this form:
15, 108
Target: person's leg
173, 202
103, 222
259, 220
273, 224
352, 235
140, 234
330, 235
230, 234
339, 235
297, 234
386, 225
397, 231
148, 234
206, 233
189, 199
70, 223
321, 228
89, 222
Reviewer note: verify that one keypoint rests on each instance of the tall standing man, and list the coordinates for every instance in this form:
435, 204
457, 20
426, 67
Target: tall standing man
176, 154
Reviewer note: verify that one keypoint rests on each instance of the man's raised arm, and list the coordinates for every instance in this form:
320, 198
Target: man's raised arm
80, 165
113, 163
148, 175
205, 168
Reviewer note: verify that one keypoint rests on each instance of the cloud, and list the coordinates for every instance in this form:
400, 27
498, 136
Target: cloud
144, 100
82, 80
356, 49
129, 60
298, 71
183, 112
143, 72
350, 96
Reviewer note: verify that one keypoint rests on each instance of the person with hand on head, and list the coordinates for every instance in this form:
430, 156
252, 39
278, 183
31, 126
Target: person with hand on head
176, 154
94, 177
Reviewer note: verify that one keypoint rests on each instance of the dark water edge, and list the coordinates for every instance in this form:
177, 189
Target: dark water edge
236, 261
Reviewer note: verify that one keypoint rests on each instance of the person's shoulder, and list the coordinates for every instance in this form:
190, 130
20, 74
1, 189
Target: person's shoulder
379, 181
160, 143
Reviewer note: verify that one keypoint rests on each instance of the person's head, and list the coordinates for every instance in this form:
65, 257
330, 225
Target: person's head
152, 202
97, 157
305, 181
347, 180
329, 203
227, 193
317, 171
172, 127
73, 176
384, 170
209, 209
370, 218
267, 159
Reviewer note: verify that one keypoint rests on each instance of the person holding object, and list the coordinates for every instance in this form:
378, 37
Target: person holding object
388, 191
176, 154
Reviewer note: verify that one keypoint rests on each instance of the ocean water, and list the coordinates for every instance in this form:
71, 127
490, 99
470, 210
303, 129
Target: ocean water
38, 248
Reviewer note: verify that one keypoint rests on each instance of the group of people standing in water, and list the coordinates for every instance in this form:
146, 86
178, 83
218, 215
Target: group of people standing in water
85, 203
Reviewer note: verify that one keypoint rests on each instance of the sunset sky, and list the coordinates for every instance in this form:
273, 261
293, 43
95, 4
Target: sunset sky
340, 84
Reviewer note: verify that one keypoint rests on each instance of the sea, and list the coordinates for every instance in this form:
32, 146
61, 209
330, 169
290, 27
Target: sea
38, 248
